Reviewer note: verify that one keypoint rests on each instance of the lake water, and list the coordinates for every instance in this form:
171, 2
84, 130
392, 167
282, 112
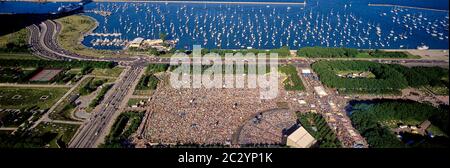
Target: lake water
328, 23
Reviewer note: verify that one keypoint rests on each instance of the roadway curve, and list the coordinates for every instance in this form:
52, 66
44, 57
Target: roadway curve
43, 44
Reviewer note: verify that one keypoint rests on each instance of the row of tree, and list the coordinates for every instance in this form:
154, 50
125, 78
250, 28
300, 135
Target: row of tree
57, 64
91, 86
367, 119
387, 79
326, 52
100, 96
422, 76
316, 125
322, 52
120, 132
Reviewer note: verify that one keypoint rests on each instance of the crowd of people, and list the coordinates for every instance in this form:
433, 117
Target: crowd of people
267, 127
201, 116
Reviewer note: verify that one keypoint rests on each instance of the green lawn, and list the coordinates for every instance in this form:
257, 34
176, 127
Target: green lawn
73, 28
62, 111
134, 101
439, 90
18, 56
15, 41
293, 81
64, 132
113, 72
29, 97
346, 72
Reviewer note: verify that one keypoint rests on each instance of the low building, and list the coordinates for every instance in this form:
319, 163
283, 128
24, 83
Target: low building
320, 91
153, 42
136, 43
300, 138
306, 71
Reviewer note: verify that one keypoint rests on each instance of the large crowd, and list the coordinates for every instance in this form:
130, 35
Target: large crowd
202, 116
267, 127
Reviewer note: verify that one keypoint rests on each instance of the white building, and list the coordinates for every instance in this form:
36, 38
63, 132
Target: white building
136, 43
306, 71
300, 138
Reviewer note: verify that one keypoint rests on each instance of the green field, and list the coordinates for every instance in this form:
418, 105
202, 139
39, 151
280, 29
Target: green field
438, 90
134, 101
367, 75
14, 42
114, 72
29, 97
63, 110
18, 56
292, 81
125, 125
63, 133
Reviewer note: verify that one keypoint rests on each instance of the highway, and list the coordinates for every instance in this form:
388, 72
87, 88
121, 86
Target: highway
89, 133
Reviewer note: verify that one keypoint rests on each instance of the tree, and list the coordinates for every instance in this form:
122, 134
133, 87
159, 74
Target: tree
153, 51
163, 36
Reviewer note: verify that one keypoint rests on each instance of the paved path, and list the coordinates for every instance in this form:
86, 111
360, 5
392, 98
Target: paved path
8, 128
33, 85
64, 122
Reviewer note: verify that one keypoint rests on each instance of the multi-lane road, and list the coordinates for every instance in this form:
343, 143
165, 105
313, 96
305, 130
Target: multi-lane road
90, 132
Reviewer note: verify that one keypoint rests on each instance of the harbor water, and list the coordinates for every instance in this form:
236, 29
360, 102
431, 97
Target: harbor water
364, 24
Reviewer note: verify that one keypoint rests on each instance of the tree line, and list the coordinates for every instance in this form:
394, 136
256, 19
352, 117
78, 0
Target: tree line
57, 64
321, 131
327, 52
422, 76
387, 79
367, 118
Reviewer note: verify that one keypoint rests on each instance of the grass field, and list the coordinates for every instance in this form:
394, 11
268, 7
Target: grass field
114, 72
17, 98
439, 90
15, 42
64, 132
368, 73
134, 101
293, 81
18, 56
62, 112
74, 27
